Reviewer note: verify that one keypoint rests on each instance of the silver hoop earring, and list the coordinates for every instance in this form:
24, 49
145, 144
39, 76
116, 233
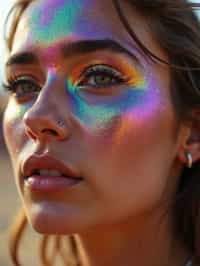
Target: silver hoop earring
189, 160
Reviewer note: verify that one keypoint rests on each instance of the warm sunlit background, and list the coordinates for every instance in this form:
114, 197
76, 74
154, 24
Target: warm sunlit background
8, 196
9, 200
4, 7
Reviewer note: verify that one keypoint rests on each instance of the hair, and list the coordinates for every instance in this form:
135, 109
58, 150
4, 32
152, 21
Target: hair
176, 28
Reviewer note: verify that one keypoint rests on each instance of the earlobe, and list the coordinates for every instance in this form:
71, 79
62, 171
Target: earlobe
189, 151
189, 159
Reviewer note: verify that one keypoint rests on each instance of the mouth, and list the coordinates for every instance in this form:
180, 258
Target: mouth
47, 174
50, 184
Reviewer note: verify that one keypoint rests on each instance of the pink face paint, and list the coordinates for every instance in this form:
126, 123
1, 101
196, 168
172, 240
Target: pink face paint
48, 25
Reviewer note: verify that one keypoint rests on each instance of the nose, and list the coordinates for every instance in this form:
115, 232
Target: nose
45, 119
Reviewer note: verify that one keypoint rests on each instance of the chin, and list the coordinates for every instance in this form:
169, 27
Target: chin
47, 225
53, 219
50, 229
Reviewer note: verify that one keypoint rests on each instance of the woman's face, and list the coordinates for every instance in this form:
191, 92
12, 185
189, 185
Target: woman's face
87, 103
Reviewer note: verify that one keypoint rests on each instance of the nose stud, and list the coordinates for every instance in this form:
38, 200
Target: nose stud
61, 123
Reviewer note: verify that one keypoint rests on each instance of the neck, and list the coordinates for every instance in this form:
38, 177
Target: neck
149, 242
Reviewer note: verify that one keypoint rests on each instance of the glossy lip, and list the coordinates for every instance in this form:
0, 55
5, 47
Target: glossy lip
36, 162
49, 184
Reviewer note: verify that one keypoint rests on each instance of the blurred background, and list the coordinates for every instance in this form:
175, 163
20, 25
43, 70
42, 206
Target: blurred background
9, 200
8, 197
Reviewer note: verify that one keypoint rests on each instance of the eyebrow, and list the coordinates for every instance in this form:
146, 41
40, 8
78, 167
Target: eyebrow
79, 47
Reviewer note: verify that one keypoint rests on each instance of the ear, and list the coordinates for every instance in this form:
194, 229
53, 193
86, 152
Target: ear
190, 140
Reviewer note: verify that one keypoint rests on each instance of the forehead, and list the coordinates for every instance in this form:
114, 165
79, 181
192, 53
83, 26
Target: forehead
48, 21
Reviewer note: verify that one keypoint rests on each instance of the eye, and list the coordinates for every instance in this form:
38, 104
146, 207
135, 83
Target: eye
101, 76
22, 86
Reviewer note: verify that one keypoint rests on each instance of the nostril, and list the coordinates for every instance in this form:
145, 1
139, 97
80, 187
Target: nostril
44, 131
49, 131
30, 134
39, 126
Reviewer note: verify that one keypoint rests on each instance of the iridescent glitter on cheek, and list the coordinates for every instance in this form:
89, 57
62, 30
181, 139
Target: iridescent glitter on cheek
93, 116
99, 111
149, 107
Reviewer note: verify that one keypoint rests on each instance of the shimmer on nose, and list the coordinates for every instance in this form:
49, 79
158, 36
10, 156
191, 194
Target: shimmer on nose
40, 125
45, 118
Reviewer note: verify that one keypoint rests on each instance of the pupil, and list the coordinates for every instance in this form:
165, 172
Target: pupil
102, 79
27, 87
24, 87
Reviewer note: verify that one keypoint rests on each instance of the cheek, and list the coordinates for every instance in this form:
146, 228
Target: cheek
145, 129
133, 166
118, 112
13, 127
140, 132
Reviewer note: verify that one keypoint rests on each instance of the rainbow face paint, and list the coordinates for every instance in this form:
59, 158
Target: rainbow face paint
54, 24
115, 109
49, 25
48, 21
98, 110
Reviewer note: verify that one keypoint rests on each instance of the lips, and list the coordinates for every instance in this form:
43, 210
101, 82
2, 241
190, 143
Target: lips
34, 164
46, 173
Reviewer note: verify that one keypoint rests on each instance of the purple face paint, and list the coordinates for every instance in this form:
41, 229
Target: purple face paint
50, 24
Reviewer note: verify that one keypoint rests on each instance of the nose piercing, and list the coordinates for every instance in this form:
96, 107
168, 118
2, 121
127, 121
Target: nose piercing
61, 123
189, 160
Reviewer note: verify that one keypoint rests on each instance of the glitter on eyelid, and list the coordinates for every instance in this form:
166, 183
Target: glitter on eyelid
137, 79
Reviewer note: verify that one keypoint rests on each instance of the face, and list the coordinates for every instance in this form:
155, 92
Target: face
87, 104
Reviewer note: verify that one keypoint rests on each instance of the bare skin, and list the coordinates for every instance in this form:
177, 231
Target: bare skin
122, 137
114, 247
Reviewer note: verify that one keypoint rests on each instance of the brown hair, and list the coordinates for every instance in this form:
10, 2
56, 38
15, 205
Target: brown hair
177, 29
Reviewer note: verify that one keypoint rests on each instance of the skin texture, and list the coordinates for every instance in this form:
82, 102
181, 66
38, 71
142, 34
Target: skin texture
123, 138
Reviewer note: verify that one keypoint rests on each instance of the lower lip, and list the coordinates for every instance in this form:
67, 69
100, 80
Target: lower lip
50, 183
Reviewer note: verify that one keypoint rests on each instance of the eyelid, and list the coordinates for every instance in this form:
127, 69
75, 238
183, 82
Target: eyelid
101, 66
25, 77
11, 83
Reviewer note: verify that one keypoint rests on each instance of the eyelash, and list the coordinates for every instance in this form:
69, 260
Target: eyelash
12, 84
104, 71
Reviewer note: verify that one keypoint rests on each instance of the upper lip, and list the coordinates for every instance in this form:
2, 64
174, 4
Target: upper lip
37, 162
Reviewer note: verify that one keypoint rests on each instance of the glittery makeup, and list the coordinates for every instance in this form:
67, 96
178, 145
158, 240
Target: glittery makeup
54, 20
135, 99
83, 69
48, 21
